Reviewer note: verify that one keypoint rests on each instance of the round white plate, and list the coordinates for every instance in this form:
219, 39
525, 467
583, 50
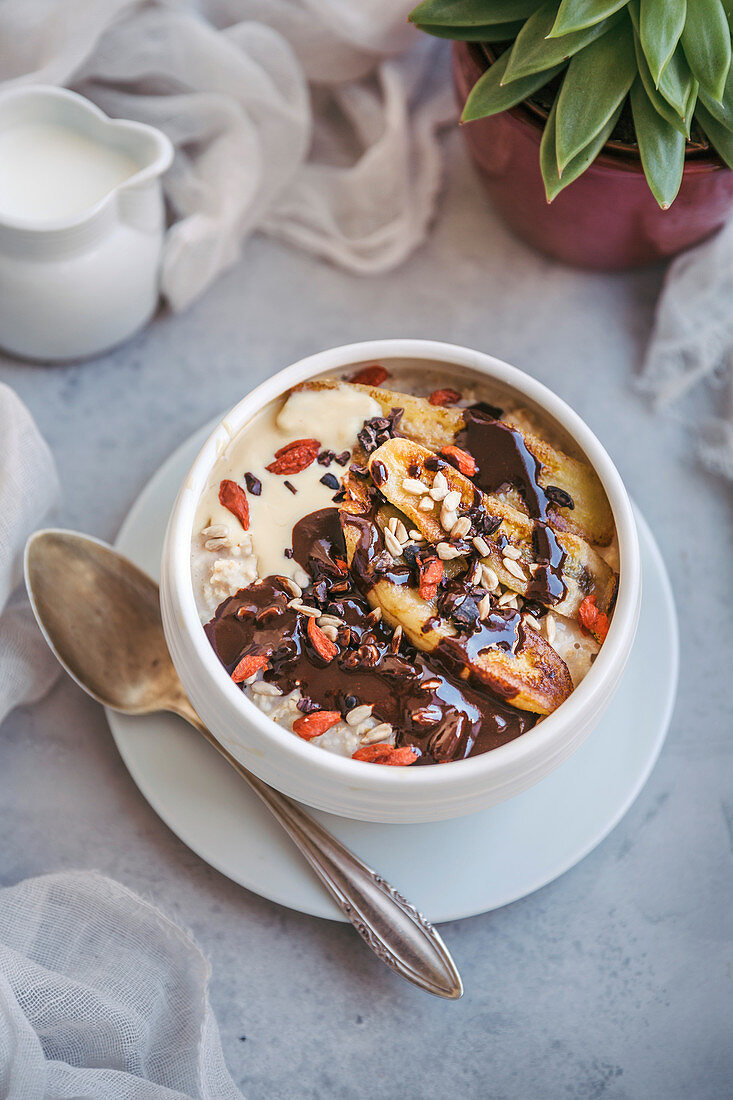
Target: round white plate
437, 866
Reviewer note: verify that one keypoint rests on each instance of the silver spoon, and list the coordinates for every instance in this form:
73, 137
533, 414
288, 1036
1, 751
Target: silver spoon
99, 614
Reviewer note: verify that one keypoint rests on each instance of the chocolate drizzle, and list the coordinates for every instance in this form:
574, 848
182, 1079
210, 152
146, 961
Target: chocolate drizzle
430, 707
504, 460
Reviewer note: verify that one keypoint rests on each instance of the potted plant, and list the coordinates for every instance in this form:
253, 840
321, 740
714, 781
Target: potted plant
603, 128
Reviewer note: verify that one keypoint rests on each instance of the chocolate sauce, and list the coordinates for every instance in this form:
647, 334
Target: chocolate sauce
504, 460
446, 718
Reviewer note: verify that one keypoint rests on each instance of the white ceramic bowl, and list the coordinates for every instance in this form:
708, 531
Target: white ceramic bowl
338, 784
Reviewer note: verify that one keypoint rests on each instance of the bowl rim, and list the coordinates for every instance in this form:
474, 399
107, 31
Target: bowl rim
343, 771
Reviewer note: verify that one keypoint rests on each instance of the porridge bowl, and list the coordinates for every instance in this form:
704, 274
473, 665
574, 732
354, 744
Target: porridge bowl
401, 581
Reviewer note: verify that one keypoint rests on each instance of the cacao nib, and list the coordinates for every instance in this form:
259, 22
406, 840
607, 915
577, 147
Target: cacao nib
325, 458
254, 485
343, 458
289, 485
330, 481
559, 496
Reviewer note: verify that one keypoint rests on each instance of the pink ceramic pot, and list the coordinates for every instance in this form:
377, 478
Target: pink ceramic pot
608, 218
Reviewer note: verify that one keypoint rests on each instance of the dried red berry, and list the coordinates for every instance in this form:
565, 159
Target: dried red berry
592, 619
294, 457
233, 497
462, 460
370, 376
247, 667
444, 397
431, 574
313, 725
324, 647
387, 754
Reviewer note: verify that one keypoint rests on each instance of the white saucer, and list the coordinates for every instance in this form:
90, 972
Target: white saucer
526, 842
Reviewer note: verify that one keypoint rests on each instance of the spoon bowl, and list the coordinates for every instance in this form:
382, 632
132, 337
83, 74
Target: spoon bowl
99, 614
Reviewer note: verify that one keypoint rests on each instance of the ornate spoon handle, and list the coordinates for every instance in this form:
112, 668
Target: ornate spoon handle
395, 931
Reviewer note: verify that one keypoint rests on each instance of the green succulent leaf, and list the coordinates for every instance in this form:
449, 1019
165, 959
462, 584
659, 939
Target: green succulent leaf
576, 15
706, 42
660, 27
722, 109
489, 96
533, 51
471, 13
661, 147
659, 103
595, 86
554, 184
495, 32
720, 138
677, 84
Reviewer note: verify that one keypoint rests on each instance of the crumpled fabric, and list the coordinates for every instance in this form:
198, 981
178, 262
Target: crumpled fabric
28, 490
314, 121
102, 997
692, 342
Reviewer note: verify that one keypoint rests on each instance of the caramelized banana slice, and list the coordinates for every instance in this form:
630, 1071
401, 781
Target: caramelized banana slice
435, 426
590, 517
534, 678
584, 572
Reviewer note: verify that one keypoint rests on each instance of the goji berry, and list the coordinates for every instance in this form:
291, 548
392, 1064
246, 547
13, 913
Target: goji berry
247, 667
462, 460
370, 376
294, 457
234, 498
313, 725
444, 397
323, 645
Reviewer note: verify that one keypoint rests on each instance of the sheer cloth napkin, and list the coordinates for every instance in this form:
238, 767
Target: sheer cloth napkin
692, 341
312, 120
28, 489
101, 997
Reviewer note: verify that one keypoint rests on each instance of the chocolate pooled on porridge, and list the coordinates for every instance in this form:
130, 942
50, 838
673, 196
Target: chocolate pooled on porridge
399, 578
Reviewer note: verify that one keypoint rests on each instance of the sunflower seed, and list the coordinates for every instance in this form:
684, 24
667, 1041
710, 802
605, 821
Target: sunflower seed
295, 603
396, 639
452, 500
382, 732
417, 536
393, 546
447, 552
263, 688
482, 546
311, 612
301, 577
550, 630
476, 573
460, 528
512, 552
359, 714
330, 620
426, 504
531, 621
484, 606
512, 567
216, 531
400, 531
414, 485
375, 614
490, 578
218, 544
448, 519
292, 587
509, 599
331, 632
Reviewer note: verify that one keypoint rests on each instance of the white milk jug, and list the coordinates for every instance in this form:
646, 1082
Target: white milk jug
81, 224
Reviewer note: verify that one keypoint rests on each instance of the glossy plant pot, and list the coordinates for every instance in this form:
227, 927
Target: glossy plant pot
606, 219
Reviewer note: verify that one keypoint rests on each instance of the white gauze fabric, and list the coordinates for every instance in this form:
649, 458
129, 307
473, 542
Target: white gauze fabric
314, 121
692, 341
101, 997
28, 489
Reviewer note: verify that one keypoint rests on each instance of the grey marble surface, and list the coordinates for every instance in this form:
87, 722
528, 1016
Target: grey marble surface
614, 981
